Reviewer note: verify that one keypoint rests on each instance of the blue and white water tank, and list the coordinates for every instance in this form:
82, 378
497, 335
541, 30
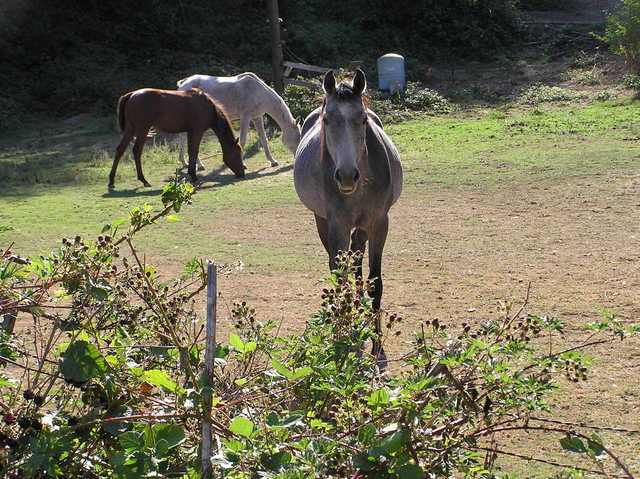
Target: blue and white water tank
391, 76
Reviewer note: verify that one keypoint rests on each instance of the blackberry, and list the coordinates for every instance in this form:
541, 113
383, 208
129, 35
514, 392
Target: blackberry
24, 422
9, 418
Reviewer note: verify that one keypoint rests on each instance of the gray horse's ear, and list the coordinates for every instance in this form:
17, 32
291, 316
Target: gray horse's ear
359, 82
329, 83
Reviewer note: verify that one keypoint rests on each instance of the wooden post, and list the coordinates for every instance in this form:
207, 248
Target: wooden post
276, 46
7, 316
209, 361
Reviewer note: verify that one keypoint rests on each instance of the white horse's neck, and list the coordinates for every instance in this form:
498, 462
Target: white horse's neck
279, 111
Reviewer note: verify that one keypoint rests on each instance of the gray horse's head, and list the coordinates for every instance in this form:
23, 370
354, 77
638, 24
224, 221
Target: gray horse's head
344, 122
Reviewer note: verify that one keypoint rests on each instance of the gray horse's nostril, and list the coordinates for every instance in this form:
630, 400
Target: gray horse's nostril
349, 178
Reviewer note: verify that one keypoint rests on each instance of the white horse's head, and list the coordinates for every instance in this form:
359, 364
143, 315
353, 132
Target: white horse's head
291, 137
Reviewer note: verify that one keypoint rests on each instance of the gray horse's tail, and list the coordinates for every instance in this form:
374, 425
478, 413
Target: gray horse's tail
122, 103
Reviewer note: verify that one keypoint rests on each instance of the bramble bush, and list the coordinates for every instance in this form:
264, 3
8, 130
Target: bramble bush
415, 100
105, 379
622, 32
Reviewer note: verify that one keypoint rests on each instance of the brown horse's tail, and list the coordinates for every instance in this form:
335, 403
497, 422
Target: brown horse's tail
122, 103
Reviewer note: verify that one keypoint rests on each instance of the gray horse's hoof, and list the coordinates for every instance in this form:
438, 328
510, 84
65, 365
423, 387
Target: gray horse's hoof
381, 359
201, 168
147, 184
274, 163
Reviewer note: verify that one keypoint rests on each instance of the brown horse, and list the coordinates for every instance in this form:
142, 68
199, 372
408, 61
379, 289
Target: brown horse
191, 111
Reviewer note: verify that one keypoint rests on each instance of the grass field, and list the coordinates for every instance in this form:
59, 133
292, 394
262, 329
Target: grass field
494, 200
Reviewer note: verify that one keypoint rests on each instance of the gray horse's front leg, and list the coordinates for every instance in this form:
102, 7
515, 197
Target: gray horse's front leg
338, 240
377, 239
358, 244
259, 126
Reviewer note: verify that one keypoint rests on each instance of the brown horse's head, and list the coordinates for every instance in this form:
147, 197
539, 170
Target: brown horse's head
232, 157
231, 149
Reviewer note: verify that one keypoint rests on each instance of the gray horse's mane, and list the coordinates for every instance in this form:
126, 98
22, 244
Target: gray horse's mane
344, 92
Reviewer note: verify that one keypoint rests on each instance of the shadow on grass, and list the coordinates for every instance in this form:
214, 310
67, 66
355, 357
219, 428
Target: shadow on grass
214, 179
131, 192
53, 153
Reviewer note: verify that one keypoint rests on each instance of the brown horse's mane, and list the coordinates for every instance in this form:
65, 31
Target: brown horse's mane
222, 121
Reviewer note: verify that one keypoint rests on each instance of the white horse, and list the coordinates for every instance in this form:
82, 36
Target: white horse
248, 98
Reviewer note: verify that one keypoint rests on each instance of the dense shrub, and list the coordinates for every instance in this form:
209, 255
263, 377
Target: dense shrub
546, 5
622, 32
545, 94
426, 29
65, 57
109, 381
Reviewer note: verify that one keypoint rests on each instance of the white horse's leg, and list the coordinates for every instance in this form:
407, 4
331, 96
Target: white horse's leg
259, 125
244, 129
182, 139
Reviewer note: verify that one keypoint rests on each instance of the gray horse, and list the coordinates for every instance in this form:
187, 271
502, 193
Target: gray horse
348, 172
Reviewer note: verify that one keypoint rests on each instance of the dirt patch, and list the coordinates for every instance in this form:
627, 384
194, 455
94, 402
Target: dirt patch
458, 255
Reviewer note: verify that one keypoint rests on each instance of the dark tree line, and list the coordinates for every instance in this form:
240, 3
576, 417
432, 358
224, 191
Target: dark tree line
69, 55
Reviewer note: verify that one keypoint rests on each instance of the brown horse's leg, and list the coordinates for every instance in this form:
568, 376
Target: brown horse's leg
358, 243
194, 137
377, 239
127, 136
137, 155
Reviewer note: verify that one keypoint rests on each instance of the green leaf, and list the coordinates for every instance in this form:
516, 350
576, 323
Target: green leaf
596, 448
241, 425
363, 462
366, 434
173, 218
300, 373
293, 420
170, 433
573, 444
395, 441
236, 342
381, 396
81, 362
131, 441
281, 369
410, 471
5, 383
161, 379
